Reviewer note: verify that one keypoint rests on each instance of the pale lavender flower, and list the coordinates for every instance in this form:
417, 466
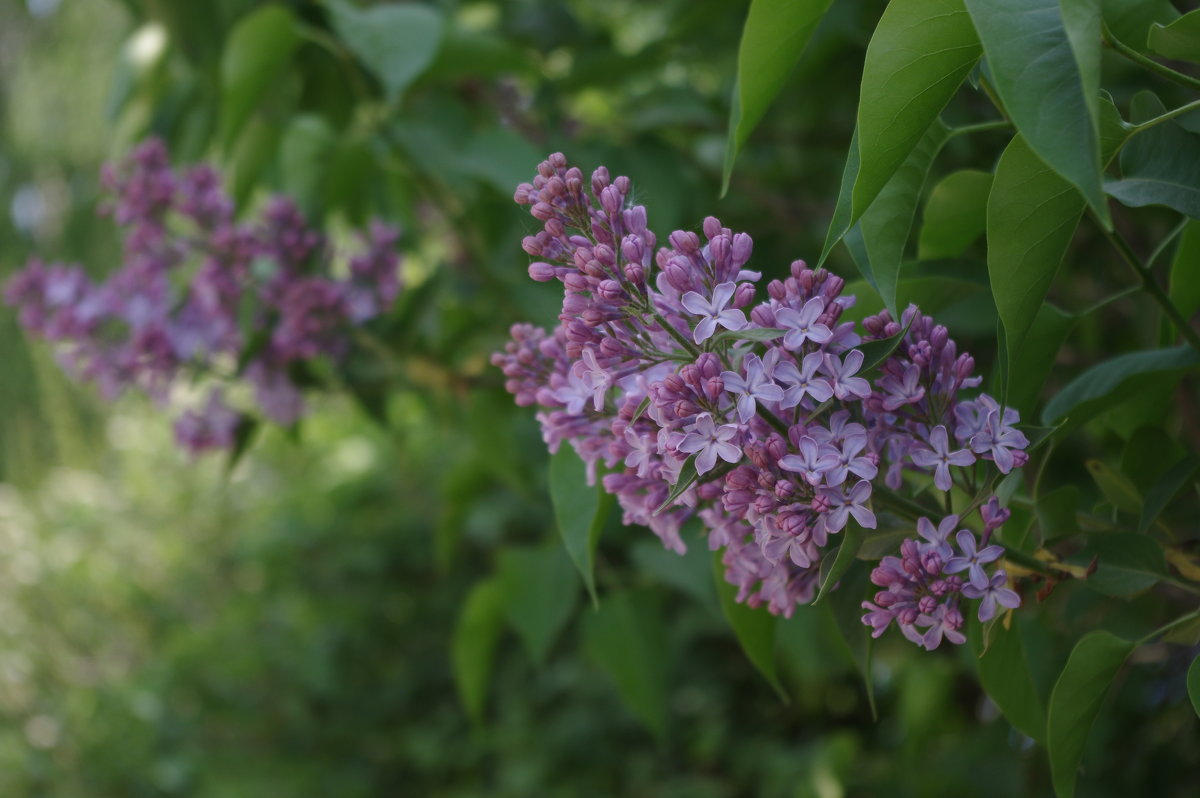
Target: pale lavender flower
837, 463
972, 560
998, 438
994, 592
841, 372
754, 387
940, 458
714, 312
937, 540
848, 504
708, 442
803, 381
802, 325
641, 454
595, 377
904, 391
808, 463
944, 622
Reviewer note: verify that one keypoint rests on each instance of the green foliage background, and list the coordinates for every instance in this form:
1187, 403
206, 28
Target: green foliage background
294, 626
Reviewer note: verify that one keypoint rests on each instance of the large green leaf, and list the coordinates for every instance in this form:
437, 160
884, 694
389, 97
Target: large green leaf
580, 510
1076, 701
1130, 20
1031, 215
845, 604
257, 51
1160, 166
1126, 563
1164, 490
1180, 39
1193, 684
843, 211
836, 563
918, 56
396, 42
473, 645
1039, 349
625, 636
955, 214
305, 156
877, 241
1004, 676
754, 628
1184, 285
776, 33
539, 592
1107, 383
690, 572
1038, 73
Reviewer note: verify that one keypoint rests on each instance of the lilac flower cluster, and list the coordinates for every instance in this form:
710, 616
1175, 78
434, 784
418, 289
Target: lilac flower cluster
763, 420
200, 292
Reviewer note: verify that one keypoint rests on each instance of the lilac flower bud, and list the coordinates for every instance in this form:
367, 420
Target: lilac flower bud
691, 376
743, 245
927, 604
555, 227
554, 188
886, 598
531, 245
907, 616
623, 185
793, 523
776, 448
741, 478
678, 276
605, 255
635, 274
611, 201
576, 283
932, 563
574, 304
718, 251
763, 316
939, 337
776, 291
521, 195
542, 272
764, 504
610, 291
542, 211
594, 317
709, 365
600, 179
574, 184
744, 295
685, 241
820, 504
632, 249
674, 384
712, 227
964, 366
785, 490
714, 387
833, 286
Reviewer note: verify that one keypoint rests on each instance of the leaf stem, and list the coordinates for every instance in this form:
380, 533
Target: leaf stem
1151, 287
1182, 619
1133, 55
965, 130
1174, 112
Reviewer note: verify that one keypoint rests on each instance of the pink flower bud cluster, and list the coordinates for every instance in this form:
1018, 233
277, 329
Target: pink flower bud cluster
764, 420
202, 293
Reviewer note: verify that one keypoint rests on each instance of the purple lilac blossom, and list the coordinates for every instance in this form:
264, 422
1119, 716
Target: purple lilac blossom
804, 435
199, 292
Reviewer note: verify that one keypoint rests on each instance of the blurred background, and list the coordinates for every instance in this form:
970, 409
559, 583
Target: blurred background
286, 625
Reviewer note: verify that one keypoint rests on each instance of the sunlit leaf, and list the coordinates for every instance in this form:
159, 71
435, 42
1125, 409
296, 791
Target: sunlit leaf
396, 41
955, 214
1160, 166
1179, 40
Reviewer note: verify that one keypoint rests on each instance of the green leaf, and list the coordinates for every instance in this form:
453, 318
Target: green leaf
1005, 677
1130, 20
1184, 286
626, 638
754, 628
1031, 216
1193, 684
846, 605
1039, 350
473, 646
1163, 491
501, 158
1160, 166
1047, 85
955, 214
1056, 513
877, 241
843, 216
467, 54
689, 572
580, 511
1107, 383
1126, 563
776, 33
1179, 40
1075, 703
396, 42
687, 476
835, 564
539, 594
305, 155
258, 49
918, 56
1116, 487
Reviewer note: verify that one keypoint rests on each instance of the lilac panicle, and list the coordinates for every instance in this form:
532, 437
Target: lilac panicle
199, 291
662, 356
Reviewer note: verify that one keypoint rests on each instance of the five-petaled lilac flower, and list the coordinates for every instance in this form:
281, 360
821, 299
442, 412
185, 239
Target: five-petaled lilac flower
905, 391
756, 385
576, 392
708, 441
802, 325
993, 593
998, 437
838, 463
803, 381
641, 454
852, 503
594, 377
714, 311
945, 621
972, 560
843, 382
941, 458
937, 540
808, 463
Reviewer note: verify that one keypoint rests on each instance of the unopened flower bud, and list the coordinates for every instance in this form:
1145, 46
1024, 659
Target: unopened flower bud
542, 272
743, 295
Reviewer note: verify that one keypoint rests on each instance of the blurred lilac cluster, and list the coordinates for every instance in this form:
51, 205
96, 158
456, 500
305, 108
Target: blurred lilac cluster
201, 293
763, 420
